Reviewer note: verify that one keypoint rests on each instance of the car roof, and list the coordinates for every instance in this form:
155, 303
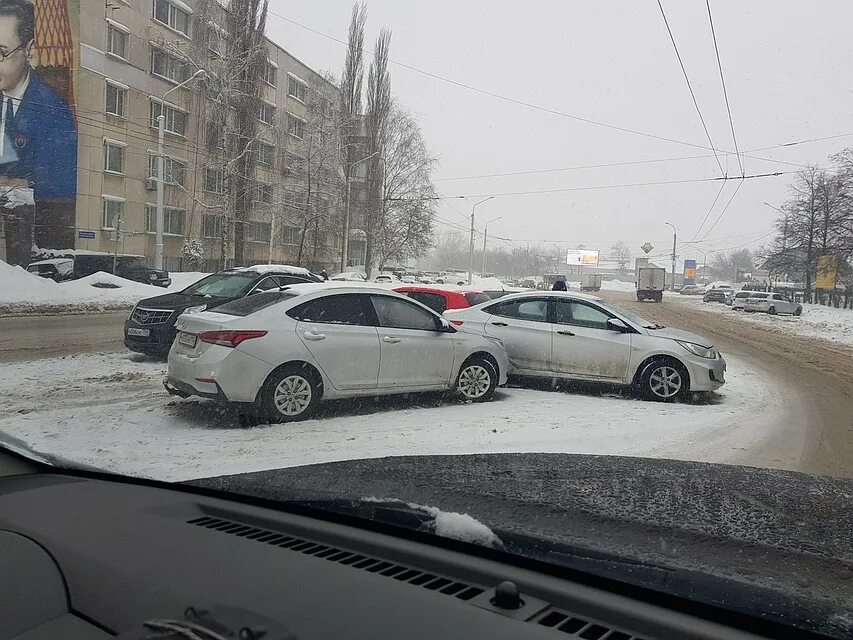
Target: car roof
53, 261
571, 295
275, 269
340, 286
436, 289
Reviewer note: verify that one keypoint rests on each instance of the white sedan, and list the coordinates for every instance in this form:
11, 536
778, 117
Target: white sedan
771, 303
563, 334
284, 350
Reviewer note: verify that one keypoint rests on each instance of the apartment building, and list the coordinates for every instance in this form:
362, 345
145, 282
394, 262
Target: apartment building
134, 56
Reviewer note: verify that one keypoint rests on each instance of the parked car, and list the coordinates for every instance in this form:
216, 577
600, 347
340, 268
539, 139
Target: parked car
771, 303
386, 277
150, 328
128, 267
349, 276
560, 334
716, 295
738, 299
57, 269
691, 290
440, 300
285, 350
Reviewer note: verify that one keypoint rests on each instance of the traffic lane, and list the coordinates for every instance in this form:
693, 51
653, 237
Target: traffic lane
32, 337
817, 377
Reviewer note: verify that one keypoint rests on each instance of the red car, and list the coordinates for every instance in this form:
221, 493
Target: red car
439, 300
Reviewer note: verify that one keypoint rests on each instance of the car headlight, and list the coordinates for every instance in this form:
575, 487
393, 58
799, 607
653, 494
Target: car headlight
699, 350
196, 309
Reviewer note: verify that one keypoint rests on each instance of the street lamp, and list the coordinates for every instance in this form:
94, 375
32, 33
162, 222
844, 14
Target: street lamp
704, 262
471, 247
485, 235
345, 247
161, 134
674, 237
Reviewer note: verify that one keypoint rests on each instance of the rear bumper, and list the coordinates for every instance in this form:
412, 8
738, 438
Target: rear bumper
220, 373
706, 375
185, 390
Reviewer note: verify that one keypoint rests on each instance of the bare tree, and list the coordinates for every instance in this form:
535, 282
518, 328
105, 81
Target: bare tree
726, 265
448, 247
620, 253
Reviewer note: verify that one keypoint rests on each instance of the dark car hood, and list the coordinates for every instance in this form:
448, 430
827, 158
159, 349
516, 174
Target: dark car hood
180, 301
776, 539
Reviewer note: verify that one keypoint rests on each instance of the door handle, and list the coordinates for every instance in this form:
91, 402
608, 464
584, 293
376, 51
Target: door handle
565, 333
314, 337
500, 324
391, 339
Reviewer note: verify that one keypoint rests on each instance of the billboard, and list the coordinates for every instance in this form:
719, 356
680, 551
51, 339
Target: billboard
689, 272
582, 258
38, 123
827, 272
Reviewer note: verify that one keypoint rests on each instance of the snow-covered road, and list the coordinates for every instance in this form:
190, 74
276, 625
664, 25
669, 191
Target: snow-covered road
110, 411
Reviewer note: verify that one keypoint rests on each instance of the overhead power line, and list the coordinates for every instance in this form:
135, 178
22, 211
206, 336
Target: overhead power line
723, 82
689, 87
719, 217
710, 209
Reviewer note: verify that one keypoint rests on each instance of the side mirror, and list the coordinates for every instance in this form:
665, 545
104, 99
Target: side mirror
615, 324
254, 291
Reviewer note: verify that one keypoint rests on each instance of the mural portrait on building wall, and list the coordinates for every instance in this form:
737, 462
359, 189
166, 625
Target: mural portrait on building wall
38, 141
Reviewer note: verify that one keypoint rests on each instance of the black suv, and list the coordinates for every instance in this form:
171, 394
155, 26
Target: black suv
150, 329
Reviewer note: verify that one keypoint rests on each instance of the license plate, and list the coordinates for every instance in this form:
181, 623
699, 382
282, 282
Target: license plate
133, 331
187, 339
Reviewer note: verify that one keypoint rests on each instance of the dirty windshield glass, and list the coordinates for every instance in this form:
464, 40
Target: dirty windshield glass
347, 249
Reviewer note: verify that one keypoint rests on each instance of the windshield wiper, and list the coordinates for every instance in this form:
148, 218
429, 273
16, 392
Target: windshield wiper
654, 326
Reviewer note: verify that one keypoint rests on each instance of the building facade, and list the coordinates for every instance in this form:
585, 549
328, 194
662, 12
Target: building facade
135, 53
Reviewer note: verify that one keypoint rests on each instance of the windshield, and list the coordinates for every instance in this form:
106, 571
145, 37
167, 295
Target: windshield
218, 304
222, 285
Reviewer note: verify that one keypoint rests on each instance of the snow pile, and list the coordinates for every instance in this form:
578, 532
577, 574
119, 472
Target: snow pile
24, 293
278, 268
618, 285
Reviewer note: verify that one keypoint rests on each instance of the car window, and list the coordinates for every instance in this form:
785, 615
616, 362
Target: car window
434, 301
400, 314
267, 284
225, 285
251, 304
580, 314
347, 308
477, 298
288, 280
534, 310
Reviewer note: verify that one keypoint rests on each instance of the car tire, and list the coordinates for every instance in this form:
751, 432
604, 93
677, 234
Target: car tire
477, 380
798, 311
290, 394
772, 311
664, 380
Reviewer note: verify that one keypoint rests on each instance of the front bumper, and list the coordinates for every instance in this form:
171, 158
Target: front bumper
158, 341
705, 374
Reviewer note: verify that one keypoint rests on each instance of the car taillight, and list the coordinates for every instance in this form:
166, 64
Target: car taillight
458, 323
229, 338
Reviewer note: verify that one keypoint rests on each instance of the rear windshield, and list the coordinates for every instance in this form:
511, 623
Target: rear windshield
251, 304
476, 298
223, 285
758, 295
41, 268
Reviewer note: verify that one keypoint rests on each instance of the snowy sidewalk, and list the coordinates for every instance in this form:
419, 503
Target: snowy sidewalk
111, 411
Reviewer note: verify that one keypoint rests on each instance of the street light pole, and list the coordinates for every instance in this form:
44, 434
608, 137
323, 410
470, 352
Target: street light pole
345, 243
674, 239
471, 245
161, 135
485, 235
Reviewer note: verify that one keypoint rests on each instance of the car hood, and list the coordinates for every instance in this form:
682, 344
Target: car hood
179, 301
754, 540
678, 334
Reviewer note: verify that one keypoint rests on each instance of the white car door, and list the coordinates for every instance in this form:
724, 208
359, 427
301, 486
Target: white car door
415, 350
583, 344
782, 304
338, 331
522, 324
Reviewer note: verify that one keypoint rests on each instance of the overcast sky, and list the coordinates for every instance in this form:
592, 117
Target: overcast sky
787, 71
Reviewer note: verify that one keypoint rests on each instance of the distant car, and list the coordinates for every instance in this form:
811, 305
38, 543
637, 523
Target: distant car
349, 276
772, 303
691, 290
440, 300
738, 299
386, 277
128, 267
285, 350
561, 334
150, 328
715, 295
57, 269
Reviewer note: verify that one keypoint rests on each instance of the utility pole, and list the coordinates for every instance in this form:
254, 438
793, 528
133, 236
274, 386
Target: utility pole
471, 245
485, 235
674, 239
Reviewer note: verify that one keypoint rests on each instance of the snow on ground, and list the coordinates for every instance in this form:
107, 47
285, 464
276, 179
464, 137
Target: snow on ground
22, 292
817, 321
111, 411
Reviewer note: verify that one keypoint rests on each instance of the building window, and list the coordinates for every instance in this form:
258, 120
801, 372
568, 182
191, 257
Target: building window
269, 74
214, 136
211, 225
266, 112
113, 212
295, 126
173, 220
294, 164
116, 40
296, 89
266, 153
176, 120
264, 193
217, 40
172, 16
289, 235
169, 66
294, 199
257, 231
174, 171
113, 156
116, 98
214, 180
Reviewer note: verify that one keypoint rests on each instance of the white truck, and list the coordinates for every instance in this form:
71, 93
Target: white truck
650, 283
591, 282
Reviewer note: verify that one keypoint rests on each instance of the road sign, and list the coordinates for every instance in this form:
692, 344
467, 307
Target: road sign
647, 247
86, 235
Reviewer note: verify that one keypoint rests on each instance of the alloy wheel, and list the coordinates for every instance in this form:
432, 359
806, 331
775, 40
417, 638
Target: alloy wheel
665, 382
474, 381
